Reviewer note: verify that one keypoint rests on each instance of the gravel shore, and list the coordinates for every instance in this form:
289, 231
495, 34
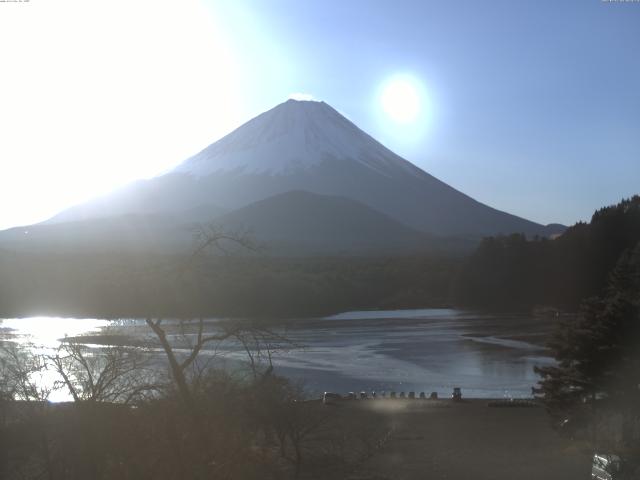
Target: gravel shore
465, 440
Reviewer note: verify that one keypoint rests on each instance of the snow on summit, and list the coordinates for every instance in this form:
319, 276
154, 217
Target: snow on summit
295, 135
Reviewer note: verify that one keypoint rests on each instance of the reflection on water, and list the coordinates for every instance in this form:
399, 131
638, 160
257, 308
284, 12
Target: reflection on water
47, 331
413, 350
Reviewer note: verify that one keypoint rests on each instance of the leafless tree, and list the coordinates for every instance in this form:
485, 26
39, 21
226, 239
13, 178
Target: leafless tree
22, 379
179, 366
113, 374
258, 341
21, 373
260, 344
208, 238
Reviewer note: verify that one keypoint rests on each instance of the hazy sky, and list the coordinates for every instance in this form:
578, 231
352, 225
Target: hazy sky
532, 107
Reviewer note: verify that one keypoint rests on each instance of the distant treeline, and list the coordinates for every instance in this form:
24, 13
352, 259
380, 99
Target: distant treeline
512, 272
118, 285
505, 273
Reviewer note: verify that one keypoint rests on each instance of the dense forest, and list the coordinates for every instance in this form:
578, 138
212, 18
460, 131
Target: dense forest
116, 285
592, 391
504, 273
513, 272
597, 351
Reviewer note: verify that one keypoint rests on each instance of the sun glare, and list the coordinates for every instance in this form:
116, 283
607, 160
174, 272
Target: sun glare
405, 112
97, 94
401, 100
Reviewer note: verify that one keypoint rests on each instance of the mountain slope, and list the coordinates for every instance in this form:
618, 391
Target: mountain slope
301, 145
312, 223
291, 223
169, 194
132, 233
309, 145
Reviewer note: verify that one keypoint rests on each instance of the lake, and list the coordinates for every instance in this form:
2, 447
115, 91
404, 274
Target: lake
488, 356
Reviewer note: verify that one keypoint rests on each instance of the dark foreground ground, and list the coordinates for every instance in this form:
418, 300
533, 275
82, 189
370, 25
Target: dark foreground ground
461, 441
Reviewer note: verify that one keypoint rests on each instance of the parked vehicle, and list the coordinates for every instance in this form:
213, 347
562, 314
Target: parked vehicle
363, 395
330, 398
422, 396
433, 396
392, 395
352, 396
412, 395
606, 467
457, 394
402, 395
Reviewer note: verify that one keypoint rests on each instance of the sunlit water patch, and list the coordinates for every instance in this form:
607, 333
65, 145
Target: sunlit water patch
48, 331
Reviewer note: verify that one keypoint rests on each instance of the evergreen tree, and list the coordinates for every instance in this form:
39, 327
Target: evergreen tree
598, 353
513, 272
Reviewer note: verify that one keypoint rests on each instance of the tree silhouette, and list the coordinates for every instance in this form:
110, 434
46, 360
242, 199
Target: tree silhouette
513, 272
597, 352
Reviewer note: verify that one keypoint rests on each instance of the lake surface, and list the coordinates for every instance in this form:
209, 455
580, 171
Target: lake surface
403, 350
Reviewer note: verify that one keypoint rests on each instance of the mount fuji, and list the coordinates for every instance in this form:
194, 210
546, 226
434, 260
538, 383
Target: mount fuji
309, 148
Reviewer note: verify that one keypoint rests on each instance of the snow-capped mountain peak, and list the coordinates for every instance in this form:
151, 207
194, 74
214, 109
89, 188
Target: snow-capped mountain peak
295, 135
305, 146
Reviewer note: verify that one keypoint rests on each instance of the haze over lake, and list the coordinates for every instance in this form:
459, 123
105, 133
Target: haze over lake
401, 350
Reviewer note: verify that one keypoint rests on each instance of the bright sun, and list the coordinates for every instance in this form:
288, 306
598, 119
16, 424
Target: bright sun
101, 93
401, 99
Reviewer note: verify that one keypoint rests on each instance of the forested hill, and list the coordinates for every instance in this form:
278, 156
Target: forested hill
120, 286
511, 272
